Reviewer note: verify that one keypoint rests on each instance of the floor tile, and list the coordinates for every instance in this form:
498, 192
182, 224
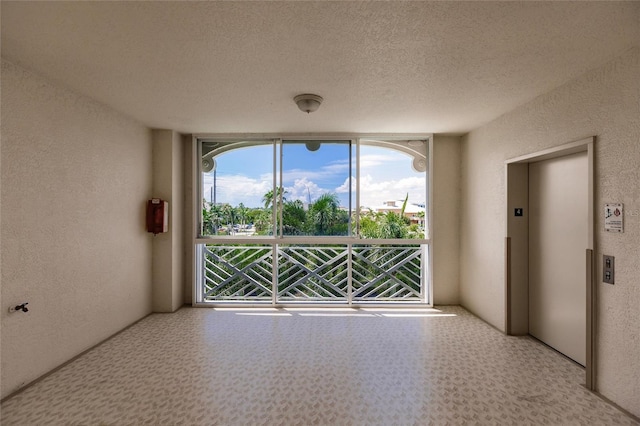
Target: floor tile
314, 367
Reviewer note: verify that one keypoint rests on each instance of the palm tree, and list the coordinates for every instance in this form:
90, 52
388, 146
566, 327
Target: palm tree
267, 198
324, 212
216, 217
393, 225
229, 213
404, 205
262, 221
207, 219
370, 224
293, 217
242, 213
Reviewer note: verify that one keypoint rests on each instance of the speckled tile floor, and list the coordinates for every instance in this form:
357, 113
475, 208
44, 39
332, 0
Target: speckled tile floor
314, 367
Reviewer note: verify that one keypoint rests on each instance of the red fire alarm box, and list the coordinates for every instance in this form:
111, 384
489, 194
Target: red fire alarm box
157, 216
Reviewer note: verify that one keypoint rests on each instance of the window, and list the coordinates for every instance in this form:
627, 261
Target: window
237, 188
319, 194
312, 219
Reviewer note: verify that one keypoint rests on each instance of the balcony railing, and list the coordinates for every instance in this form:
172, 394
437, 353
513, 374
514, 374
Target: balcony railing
349, 273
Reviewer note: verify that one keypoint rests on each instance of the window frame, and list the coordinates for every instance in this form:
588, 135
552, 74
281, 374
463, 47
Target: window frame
396, 139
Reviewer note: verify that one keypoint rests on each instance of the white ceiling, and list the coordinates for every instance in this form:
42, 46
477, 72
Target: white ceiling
442, 67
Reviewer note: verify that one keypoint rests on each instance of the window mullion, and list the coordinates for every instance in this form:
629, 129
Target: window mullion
280, 195
357, 232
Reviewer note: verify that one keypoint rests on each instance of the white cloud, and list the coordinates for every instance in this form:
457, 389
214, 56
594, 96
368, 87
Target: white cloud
374, 191
375, 160
336, 167
387, 175
236, 189
344, 188
302, 190
325, 173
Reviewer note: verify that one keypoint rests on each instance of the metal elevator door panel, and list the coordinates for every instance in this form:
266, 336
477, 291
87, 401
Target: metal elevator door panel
558, 237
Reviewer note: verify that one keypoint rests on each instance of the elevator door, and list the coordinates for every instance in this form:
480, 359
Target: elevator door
558, 237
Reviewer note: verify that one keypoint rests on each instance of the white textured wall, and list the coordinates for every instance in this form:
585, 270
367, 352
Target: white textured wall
446, 217
1, 301
177, 288
168, 251
606, 103
75, 178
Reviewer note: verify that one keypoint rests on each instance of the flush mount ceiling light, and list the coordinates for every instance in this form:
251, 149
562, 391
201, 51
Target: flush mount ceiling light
308, 102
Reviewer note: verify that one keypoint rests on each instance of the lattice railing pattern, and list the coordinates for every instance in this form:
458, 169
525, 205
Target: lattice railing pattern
384, 273
238, 272
313, 273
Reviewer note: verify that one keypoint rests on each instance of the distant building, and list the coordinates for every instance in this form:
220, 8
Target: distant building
414, 212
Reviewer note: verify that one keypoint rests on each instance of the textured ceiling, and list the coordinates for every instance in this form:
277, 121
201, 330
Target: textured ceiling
444, 67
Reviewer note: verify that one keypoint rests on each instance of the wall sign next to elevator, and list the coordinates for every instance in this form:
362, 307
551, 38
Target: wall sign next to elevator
614, 217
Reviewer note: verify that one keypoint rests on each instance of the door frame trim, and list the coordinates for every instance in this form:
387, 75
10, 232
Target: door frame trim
517, 241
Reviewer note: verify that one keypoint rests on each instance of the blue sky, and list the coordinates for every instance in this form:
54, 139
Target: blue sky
245, 175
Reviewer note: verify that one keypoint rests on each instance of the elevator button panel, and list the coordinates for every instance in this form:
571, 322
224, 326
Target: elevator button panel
608, 269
